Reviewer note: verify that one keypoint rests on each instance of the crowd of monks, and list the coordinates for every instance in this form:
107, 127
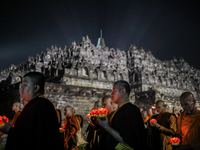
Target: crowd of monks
126, 127
184, 125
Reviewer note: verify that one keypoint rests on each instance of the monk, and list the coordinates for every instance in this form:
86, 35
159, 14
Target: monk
126, 129
16, 109
72, 125
189, 123
37, 125
164, 129
145, 117
94, 131
108, 104
150, 113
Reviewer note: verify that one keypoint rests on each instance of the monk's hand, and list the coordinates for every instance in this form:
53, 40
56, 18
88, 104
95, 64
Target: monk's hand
103, 123
156, 125
6, 127
94, 120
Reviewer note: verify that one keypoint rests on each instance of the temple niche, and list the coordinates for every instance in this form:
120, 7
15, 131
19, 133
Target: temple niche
83, 73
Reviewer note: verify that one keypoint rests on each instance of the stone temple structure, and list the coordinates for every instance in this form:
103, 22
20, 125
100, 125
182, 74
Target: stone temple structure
83, 73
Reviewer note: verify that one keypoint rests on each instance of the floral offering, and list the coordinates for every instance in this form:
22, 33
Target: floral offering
153, 121
94, 112
62, 127
102, 112
1, 121
88, 116
174, 141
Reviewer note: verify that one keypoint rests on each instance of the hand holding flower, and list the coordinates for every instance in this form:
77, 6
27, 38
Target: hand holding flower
156, 125
103, 123
6, 127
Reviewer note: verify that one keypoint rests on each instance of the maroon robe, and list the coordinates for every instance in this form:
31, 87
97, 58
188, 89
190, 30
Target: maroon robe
128, 122
36, 128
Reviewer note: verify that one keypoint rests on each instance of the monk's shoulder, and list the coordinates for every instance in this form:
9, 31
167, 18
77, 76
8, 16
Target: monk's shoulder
74, 120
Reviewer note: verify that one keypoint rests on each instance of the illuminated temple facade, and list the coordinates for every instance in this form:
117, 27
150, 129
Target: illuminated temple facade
83, 73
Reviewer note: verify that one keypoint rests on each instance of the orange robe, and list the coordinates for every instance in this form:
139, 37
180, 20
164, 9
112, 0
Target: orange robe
167, 130
71, 127
189, 129
150, 115
145, 120
15, 117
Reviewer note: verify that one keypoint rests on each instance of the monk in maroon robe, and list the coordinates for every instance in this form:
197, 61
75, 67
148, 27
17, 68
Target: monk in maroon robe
126, 130
36, 127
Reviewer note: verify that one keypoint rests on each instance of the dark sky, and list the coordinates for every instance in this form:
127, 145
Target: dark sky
168, 28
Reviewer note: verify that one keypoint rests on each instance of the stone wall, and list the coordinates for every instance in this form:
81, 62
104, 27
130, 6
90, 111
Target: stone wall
82, 74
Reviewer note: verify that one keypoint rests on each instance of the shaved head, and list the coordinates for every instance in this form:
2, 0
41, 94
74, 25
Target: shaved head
188, 102
160, 102
160, 106
121, 84
186, 95
36, 78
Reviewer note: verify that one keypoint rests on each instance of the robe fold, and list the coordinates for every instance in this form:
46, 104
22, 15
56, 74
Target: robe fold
71, 127
15, 117
161, 136
189, 129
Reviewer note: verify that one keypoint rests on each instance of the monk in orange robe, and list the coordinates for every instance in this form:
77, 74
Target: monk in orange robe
150, 113
16, 109
164, 129
145, 116
71, 127
189, 123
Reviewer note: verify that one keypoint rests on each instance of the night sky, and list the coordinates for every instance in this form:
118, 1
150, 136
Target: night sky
168, 28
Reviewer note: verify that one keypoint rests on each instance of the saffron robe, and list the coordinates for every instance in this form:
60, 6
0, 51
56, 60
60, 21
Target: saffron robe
161, 136
15, 117
36, 128
129, 123
189, 129
71, 127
